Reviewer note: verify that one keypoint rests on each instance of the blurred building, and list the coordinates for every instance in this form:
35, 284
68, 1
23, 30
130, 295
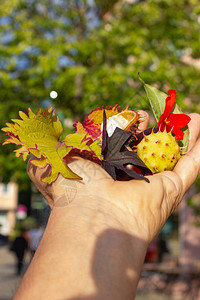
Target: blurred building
8, 207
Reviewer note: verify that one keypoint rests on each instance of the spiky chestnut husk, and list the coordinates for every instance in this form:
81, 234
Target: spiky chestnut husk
159, 151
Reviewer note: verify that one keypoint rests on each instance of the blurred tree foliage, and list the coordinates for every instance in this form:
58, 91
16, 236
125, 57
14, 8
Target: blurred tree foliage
90, 52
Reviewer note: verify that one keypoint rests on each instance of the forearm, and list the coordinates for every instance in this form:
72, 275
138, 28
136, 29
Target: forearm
86, 253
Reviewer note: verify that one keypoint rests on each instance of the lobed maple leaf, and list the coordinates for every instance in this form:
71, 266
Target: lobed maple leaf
39, 135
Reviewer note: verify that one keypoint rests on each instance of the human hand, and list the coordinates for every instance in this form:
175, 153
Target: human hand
142, 207
63, 191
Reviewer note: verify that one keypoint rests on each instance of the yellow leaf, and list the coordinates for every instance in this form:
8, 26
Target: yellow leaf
81, 143
39, 134
39, 162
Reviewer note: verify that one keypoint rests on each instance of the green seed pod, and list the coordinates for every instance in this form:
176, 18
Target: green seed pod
159, 151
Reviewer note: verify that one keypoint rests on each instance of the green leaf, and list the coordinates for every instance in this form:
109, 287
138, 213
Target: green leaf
156, 99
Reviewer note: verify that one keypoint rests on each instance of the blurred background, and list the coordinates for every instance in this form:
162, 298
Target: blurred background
76, 55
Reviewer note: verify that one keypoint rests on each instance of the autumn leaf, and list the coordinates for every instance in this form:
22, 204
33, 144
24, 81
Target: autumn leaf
87, 139
84, 145
93, 121
116, 156
39, 135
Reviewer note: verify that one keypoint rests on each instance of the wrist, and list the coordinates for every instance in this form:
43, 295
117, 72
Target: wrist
99, 215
